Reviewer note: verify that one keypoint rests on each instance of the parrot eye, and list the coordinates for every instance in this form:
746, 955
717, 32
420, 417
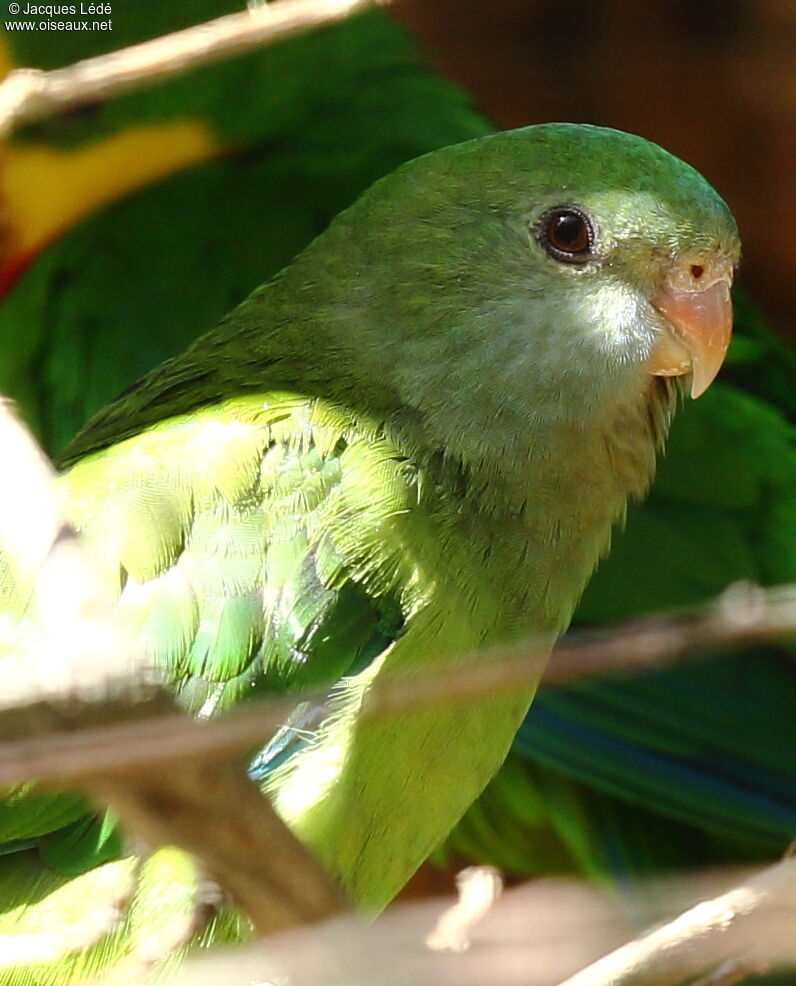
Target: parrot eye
566, 233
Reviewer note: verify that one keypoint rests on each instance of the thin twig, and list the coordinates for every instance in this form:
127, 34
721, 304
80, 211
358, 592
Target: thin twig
479, 888
753, 921
31, 94
69, 745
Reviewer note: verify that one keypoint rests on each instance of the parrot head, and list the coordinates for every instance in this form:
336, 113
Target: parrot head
642, 246
642, 249
550, 273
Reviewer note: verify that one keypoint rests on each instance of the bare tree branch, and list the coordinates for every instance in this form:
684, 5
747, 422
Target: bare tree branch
219, 815
71, 745
31, 94
751, 925
534, 935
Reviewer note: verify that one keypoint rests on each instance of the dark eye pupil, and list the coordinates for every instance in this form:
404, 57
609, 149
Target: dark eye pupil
568, 232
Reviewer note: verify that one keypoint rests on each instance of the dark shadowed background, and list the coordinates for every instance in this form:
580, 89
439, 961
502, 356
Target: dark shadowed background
713, 82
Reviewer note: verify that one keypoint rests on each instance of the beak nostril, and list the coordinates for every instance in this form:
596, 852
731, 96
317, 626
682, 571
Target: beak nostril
697, 270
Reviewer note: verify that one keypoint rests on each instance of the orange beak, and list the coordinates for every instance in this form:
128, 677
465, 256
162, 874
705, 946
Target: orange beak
700, 319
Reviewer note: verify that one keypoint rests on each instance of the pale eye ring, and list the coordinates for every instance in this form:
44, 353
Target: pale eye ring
566, 233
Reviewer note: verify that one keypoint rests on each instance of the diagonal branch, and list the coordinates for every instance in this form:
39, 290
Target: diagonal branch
215, 812
28, 95
44, 741
750, 926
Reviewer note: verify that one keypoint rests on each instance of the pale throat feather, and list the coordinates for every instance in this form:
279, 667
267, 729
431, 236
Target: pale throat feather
547, 506
580, 493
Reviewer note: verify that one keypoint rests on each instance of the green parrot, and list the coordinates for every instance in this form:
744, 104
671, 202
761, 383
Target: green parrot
411, 443
585, 788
